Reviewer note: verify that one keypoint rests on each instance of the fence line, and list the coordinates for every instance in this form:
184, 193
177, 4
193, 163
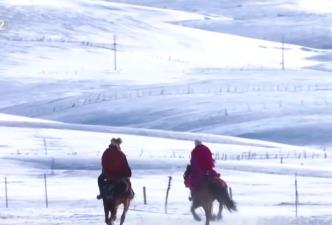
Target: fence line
230, 191
169, 91
270, 156
247, 155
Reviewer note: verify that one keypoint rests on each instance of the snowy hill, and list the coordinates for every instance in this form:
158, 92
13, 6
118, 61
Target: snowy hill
61, 56
301, 22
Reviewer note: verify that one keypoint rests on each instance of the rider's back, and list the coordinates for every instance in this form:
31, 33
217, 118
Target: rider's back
115, 164
201, 158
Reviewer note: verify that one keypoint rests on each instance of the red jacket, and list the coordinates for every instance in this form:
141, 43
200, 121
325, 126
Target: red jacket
201, 158
115, 164
202, 164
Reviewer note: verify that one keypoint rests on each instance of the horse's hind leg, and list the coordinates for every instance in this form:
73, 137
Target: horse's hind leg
208, 211
106, 213
113, 214
125, 209
219, 216
196, 217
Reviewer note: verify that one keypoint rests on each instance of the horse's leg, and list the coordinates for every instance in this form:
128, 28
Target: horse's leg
219, 216
113, 213
193, 207
111, 222
106, 212
125, 209
207, 208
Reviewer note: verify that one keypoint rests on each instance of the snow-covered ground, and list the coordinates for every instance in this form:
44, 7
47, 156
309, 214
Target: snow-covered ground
184, 70
70, 157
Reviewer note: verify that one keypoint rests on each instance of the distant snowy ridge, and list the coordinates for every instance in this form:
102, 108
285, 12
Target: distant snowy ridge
211, 138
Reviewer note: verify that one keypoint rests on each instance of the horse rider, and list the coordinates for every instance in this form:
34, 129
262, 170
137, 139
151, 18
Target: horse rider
201, 165
115, 166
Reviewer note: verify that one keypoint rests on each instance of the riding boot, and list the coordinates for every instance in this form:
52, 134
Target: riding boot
100, 195
100, 184
190, 198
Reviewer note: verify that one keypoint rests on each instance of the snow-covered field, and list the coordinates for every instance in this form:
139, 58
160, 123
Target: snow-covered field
184, 70
70, 157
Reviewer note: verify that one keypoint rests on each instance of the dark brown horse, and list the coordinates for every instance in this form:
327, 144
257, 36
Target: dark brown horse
204, 197
114, 195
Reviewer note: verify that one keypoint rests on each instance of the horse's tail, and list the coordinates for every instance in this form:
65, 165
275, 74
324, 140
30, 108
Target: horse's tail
225, 199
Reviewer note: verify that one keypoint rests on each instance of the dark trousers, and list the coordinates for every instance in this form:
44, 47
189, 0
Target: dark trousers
101, 181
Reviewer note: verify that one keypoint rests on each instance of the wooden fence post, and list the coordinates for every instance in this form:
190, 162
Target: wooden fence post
2, 24
230, 192
52, 166
114, 46
283, 53
144, 195
296, 196
46, 196
167, 192
6, 192
45, 145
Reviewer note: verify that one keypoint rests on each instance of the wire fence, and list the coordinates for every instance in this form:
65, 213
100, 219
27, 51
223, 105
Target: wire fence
15, 194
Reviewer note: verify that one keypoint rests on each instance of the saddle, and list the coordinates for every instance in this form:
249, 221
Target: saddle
210, 178
112, 188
